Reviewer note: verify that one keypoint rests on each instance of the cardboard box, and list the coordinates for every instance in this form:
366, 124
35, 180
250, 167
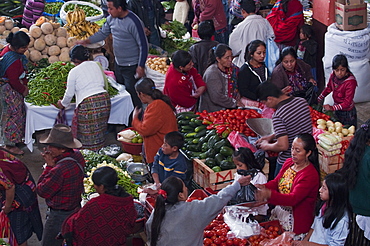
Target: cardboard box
207, 178
329, 164
324, 11
351, 17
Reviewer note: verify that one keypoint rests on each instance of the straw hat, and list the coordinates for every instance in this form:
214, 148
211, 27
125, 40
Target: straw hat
61, 135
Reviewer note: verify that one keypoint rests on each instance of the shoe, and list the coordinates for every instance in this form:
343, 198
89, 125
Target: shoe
14, 150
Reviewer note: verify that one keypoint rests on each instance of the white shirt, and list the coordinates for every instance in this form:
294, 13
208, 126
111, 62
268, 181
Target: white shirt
83, 81
251, 28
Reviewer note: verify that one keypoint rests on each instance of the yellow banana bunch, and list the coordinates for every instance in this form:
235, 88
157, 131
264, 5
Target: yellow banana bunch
77, 26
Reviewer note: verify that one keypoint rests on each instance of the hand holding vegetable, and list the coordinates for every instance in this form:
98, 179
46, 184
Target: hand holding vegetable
263, 193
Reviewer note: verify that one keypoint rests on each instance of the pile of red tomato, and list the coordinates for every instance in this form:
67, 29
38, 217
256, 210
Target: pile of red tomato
216, 234
315, 115
234, 119
270, 233
194, 198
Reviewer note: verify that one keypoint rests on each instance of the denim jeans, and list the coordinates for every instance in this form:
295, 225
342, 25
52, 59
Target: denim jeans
125, 76
53, 225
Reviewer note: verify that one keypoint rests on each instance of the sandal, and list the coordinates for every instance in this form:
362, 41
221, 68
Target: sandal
14, 150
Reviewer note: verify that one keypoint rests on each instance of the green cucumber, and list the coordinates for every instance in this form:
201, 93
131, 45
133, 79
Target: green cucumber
200, 128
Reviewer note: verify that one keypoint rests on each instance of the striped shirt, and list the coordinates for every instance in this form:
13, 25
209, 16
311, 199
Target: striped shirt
166, 167
292, 117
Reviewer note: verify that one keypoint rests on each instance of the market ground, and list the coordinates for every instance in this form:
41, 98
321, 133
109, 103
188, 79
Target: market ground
34, 161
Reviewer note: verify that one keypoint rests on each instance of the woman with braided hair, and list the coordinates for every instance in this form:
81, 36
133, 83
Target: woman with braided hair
356, 168
174, 220
105, 220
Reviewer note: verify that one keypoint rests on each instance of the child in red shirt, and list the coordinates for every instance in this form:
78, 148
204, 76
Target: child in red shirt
343, 85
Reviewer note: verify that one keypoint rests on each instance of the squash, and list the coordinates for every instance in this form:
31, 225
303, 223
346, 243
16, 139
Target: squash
23, 29
61, 32
71, 41
39, 44
64, 57
64, 50
45, 51
45, 56
2, 19
53, 59
6, 33
61, 42
35, 55
41, 20
54, 50
27, 54
50, 39
2, 29
35, 31
32, 41
9, 24
47, 28
15, 29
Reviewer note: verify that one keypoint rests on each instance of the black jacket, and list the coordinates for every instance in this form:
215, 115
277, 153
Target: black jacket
310, 53
248, 80
137, 6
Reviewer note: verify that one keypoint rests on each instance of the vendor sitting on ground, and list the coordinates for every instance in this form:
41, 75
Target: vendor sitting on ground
169, 161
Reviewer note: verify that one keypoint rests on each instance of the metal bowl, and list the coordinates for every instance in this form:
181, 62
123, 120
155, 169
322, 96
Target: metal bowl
138, 171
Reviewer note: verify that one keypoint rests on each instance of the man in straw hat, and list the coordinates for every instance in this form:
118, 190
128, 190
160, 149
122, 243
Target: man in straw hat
61, 183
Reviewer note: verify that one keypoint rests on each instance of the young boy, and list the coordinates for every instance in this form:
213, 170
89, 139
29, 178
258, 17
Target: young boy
168, 160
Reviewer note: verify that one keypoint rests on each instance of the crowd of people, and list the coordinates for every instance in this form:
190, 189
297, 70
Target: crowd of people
214, 75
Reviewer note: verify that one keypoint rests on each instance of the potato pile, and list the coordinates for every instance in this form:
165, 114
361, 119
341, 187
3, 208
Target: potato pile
6, 27
158, 64
49, 40
335, 128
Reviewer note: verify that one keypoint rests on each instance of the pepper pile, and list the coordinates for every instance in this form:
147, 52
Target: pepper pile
225, 121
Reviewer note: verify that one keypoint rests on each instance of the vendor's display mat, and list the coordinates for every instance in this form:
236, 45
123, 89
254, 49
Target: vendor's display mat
43, 117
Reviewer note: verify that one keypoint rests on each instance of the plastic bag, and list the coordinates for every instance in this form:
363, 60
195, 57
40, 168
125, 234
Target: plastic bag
245, 194
239, 221
237, 141
284, 239
272, 54
311, 94
112, 150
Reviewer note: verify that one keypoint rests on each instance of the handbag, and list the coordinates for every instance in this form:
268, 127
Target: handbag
61, 117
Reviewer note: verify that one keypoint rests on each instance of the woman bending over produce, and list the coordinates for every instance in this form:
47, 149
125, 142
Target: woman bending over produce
174, 220
220, 78
183, 84
294, 190
158, 118
113, 212
86, 81
13, 90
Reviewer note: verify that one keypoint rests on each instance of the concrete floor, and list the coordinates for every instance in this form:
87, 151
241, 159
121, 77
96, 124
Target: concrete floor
34, 160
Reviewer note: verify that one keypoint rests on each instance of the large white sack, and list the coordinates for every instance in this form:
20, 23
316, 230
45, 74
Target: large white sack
354, 44
156, 76
360, 70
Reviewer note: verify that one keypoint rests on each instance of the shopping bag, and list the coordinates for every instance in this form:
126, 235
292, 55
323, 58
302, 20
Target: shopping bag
311, 94
272, 54
61, 117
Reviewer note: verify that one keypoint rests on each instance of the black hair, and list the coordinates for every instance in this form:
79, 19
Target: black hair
246, 156
119, 3
251, 48
206, 29
309, 144
217, 52
267, 89
340, 60
248, 6
173, 186
175, 139
147, 86
307, 31
354, 154
286, 51
108, 177
79, 53
18, 40
338, 204
180, 58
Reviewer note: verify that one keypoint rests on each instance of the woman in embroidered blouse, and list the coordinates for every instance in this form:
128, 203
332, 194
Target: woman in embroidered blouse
183, 84
14, 88
294, 190
93, 104
292, 75
221, 80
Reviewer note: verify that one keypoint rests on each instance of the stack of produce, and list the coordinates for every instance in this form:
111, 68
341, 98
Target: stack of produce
77, 26
158, 64
49, 85
335, 128
49, 40
129, 136
205, 144
332, 144
6, 27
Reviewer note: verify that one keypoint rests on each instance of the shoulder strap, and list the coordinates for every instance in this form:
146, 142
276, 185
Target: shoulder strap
104, 76
72, 159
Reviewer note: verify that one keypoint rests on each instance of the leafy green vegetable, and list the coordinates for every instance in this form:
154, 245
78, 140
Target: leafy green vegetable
175, 30
89, 11
168, 5
52, 7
